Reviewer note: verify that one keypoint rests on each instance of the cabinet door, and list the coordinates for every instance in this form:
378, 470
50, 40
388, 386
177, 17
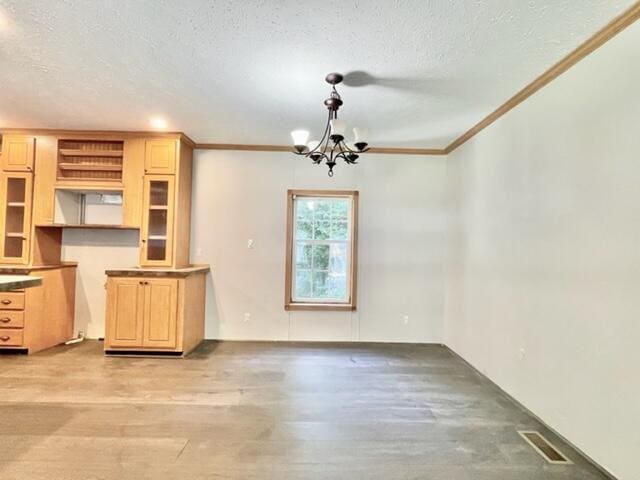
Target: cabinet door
160, 313
17, 153
15, 217
160, 157
156, 235
125, 312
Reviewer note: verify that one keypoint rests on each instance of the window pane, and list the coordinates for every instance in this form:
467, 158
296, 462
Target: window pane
303, 284
320, 285
304, 210
338, 259
304, 230
339, 209
339, 230
322, 210
321, 257
303, 255
322, 230
337, 286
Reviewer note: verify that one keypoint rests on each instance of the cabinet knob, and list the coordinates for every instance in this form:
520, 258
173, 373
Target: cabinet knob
5, 320
6, 302
144, 240
4, 338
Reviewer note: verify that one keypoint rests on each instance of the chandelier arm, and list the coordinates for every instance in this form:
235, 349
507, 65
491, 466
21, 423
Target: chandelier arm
328, 137
319, 160
345, 147
357, 152
324, 136
344, 157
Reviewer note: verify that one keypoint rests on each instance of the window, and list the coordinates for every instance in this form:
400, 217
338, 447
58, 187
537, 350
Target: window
321, 250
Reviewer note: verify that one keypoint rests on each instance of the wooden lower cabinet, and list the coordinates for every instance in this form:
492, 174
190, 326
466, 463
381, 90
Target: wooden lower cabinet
38, 317
154, 314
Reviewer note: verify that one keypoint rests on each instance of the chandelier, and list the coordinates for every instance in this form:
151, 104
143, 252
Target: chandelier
332, 146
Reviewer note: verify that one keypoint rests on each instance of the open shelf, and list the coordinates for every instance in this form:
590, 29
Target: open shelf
14, 234
15, 204
78, 152
90, 167
158, 207
157, 237
87, 161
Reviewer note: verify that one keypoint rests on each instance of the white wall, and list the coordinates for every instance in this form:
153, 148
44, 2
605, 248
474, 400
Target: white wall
546, 254
96, 251
242, 195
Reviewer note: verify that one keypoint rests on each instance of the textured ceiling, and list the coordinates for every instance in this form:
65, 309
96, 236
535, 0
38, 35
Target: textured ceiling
251, 71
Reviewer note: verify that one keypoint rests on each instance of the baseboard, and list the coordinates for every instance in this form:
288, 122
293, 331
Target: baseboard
596, 465
324, 342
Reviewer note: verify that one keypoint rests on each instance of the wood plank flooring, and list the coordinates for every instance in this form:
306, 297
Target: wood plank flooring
252, 410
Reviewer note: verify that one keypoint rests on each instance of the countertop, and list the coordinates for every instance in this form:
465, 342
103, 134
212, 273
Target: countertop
25, 270
16, 282
159, 272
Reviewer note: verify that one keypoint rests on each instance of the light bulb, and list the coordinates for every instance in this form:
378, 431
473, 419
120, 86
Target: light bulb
359, 135
300, 137
338, 127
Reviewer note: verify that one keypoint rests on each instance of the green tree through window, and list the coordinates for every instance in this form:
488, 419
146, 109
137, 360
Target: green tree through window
321, 248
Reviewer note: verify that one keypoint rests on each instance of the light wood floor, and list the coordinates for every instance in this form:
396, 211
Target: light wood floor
263, 411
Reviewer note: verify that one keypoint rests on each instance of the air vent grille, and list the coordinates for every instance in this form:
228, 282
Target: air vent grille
541, 445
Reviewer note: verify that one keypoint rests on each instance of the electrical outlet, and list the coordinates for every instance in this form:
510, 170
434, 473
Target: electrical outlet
522, 353
247, 317
198, 252
251, 244
405, 319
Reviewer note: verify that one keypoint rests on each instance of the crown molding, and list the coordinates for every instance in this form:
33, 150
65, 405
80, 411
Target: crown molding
115, 134
606, 33
285, 148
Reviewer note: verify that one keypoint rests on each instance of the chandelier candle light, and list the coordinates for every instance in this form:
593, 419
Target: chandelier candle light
332, 145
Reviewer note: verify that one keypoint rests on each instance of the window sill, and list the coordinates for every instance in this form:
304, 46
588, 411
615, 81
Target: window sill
329, 307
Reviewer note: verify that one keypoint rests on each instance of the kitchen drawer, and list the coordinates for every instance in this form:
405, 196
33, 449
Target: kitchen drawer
11, 337
12, 300
11, 319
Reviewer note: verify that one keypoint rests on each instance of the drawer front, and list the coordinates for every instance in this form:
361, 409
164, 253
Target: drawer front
11, 337
11, 319
12, 300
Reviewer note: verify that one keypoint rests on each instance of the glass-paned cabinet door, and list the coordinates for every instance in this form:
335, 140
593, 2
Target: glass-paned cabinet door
15, 217
157, 222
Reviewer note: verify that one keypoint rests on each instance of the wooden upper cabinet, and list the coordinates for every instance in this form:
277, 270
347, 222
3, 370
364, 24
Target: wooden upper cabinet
15, 217
18, 153
156, 235
160, 157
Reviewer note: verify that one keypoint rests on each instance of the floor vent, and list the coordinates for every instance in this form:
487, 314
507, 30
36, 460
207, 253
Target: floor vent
541, 445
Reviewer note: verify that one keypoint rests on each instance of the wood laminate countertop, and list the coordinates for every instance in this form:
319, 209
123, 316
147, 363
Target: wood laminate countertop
159, 272
26, 270
17, 282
